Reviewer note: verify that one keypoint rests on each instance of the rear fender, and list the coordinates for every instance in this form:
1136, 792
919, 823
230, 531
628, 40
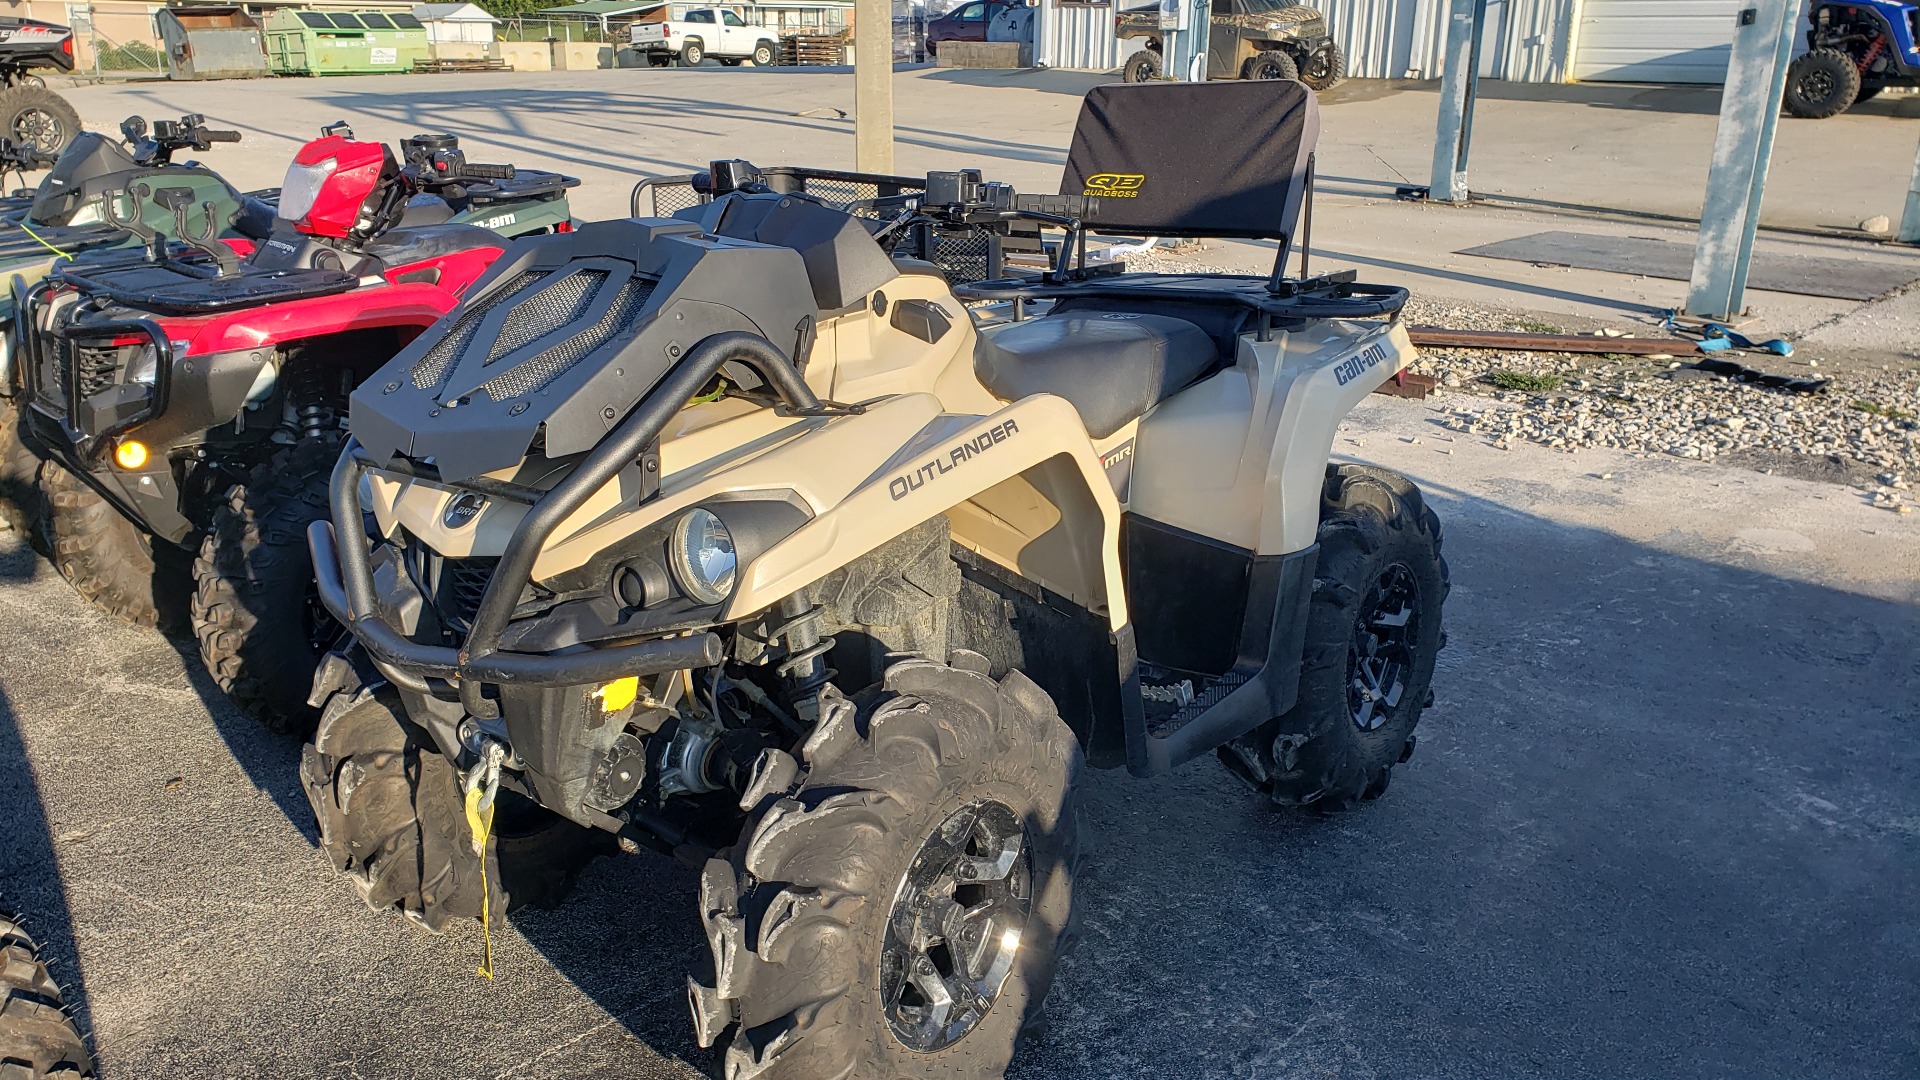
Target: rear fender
1241, 457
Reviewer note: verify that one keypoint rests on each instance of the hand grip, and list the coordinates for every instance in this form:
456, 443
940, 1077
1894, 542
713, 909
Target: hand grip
486, 172
212, 136
1072, 206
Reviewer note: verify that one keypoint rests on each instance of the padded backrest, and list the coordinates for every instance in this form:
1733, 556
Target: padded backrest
1221, 159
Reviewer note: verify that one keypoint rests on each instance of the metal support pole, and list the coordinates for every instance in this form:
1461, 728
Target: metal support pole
1763, 39
1449, 183
1186, 42
873, 86
1910, 221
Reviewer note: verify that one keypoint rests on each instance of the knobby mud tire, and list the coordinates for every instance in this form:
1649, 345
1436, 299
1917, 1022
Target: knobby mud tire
20, 504
1374, 524
392, 820
39, 1039
796, 913
111, 562
254, 603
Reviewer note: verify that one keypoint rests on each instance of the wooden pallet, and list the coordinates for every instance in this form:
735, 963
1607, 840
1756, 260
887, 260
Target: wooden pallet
445, 65
812, 49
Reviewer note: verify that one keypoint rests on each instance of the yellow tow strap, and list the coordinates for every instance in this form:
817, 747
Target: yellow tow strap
37, 239
480, 820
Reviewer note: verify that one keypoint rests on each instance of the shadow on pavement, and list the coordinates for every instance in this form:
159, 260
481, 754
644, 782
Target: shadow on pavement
30, 881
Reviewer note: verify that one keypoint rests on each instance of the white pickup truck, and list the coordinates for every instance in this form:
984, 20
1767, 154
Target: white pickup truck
691, 34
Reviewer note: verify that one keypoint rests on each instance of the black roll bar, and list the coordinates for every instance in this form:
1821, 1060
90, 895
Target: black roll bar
345, 573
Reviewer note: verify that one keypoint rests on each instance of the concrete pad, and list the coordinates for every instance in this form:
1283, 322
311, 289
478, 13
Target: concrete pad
1810, 275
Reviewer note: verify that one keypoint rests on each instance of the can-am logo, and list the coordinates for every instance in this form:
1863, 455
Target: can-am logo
1355, 366
1113, 185
461, 512
907, 483
498, 221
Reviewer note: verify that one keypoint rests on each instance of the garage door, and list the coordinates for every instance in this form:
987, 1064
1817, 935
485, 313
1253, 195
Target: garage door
1676, 41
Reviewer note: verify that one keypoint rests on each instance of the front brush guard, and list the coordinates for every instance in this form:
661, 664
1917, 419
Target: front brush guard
344, 572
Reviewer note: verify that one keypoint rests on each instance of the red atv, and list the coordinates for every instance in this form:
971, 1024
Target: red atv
190, 395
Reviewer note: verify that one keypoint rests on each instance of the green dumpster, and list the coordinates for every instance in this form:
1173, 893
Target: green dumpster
343, 42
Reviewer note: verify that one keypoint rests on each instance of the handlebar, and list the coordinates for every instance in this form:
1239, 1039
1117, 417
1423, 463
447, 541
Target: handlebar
213, 136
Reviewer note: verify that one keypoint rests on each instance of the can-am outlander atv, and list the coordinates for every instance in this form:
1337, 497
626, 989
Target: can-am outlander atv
196, 396
732, 536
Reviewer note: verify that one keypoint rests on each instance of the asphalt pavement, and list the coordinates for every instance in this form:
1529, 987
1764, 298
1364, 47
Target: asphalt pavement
1664, 820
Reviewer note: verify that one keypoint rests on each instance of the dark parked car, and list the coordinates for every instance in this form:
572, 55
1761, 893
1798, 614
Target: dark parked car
967, 22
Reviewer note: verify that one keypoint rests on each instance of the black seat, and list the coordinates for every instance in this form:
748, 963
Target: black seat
1113, 365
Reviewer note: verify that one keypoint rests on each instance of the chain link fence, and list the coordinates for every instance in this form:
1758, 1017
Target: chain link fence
116, 41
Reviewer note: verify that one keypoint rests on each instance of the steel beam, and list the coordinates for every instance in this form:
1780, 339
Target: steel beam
873, 86
1457, 86
1763, 39
1910, 221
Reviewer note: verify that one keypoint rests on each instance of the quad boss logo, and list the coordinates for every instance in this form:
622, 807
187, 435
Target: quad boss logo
1113, 185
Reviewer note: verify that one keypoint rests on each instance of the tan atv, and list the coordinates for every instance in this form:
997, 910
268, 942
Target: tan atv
733, 536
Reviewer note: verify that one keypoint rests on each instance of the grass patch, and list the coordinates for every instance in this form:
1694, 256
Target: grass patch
1521, 380
1885, 412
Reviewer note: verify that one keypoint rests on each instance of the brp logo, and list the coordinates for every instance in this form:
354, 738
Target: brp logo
461, 512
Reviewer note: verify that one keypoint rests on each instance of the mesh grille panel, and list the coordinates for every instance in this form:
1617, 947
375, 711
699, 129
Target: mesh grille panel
463, 583
431, 370
547, 310
963, 257
670, 197
524, 378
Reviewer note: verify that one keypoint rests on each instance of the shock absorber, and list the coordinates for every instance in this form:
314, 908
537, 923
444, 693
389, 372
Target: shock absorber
803, 670
309, 410
1873, 53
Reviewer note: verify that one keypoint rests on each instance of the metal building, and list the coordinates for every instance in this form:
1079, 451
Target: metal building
1522, 40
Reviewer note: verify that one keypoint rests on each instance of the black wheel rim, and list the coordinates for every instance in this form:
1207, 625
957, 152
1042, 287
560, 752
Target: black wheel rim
38, 128
1264, 70
1319, 67
956, 925
1380, 662
1817, 85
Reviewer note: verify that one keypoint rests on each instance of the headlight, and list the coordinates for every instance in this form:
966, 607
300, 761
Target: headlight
302, 187
702, 557
144, 367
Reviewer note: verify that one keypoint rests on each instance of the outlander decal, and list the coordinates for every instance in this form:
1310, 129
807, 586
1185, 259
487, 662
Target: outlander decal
1112, 185
907, 483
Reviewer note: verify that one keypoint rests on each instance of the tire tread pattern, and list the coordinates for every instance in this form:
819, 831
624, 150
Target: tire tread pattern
790, 912
251, 584
39, 1039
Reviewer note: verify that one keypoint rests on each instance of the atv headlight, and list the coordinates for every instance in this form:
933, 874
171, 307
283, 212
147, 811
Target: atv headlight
302, 187
145, 366
702, 556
